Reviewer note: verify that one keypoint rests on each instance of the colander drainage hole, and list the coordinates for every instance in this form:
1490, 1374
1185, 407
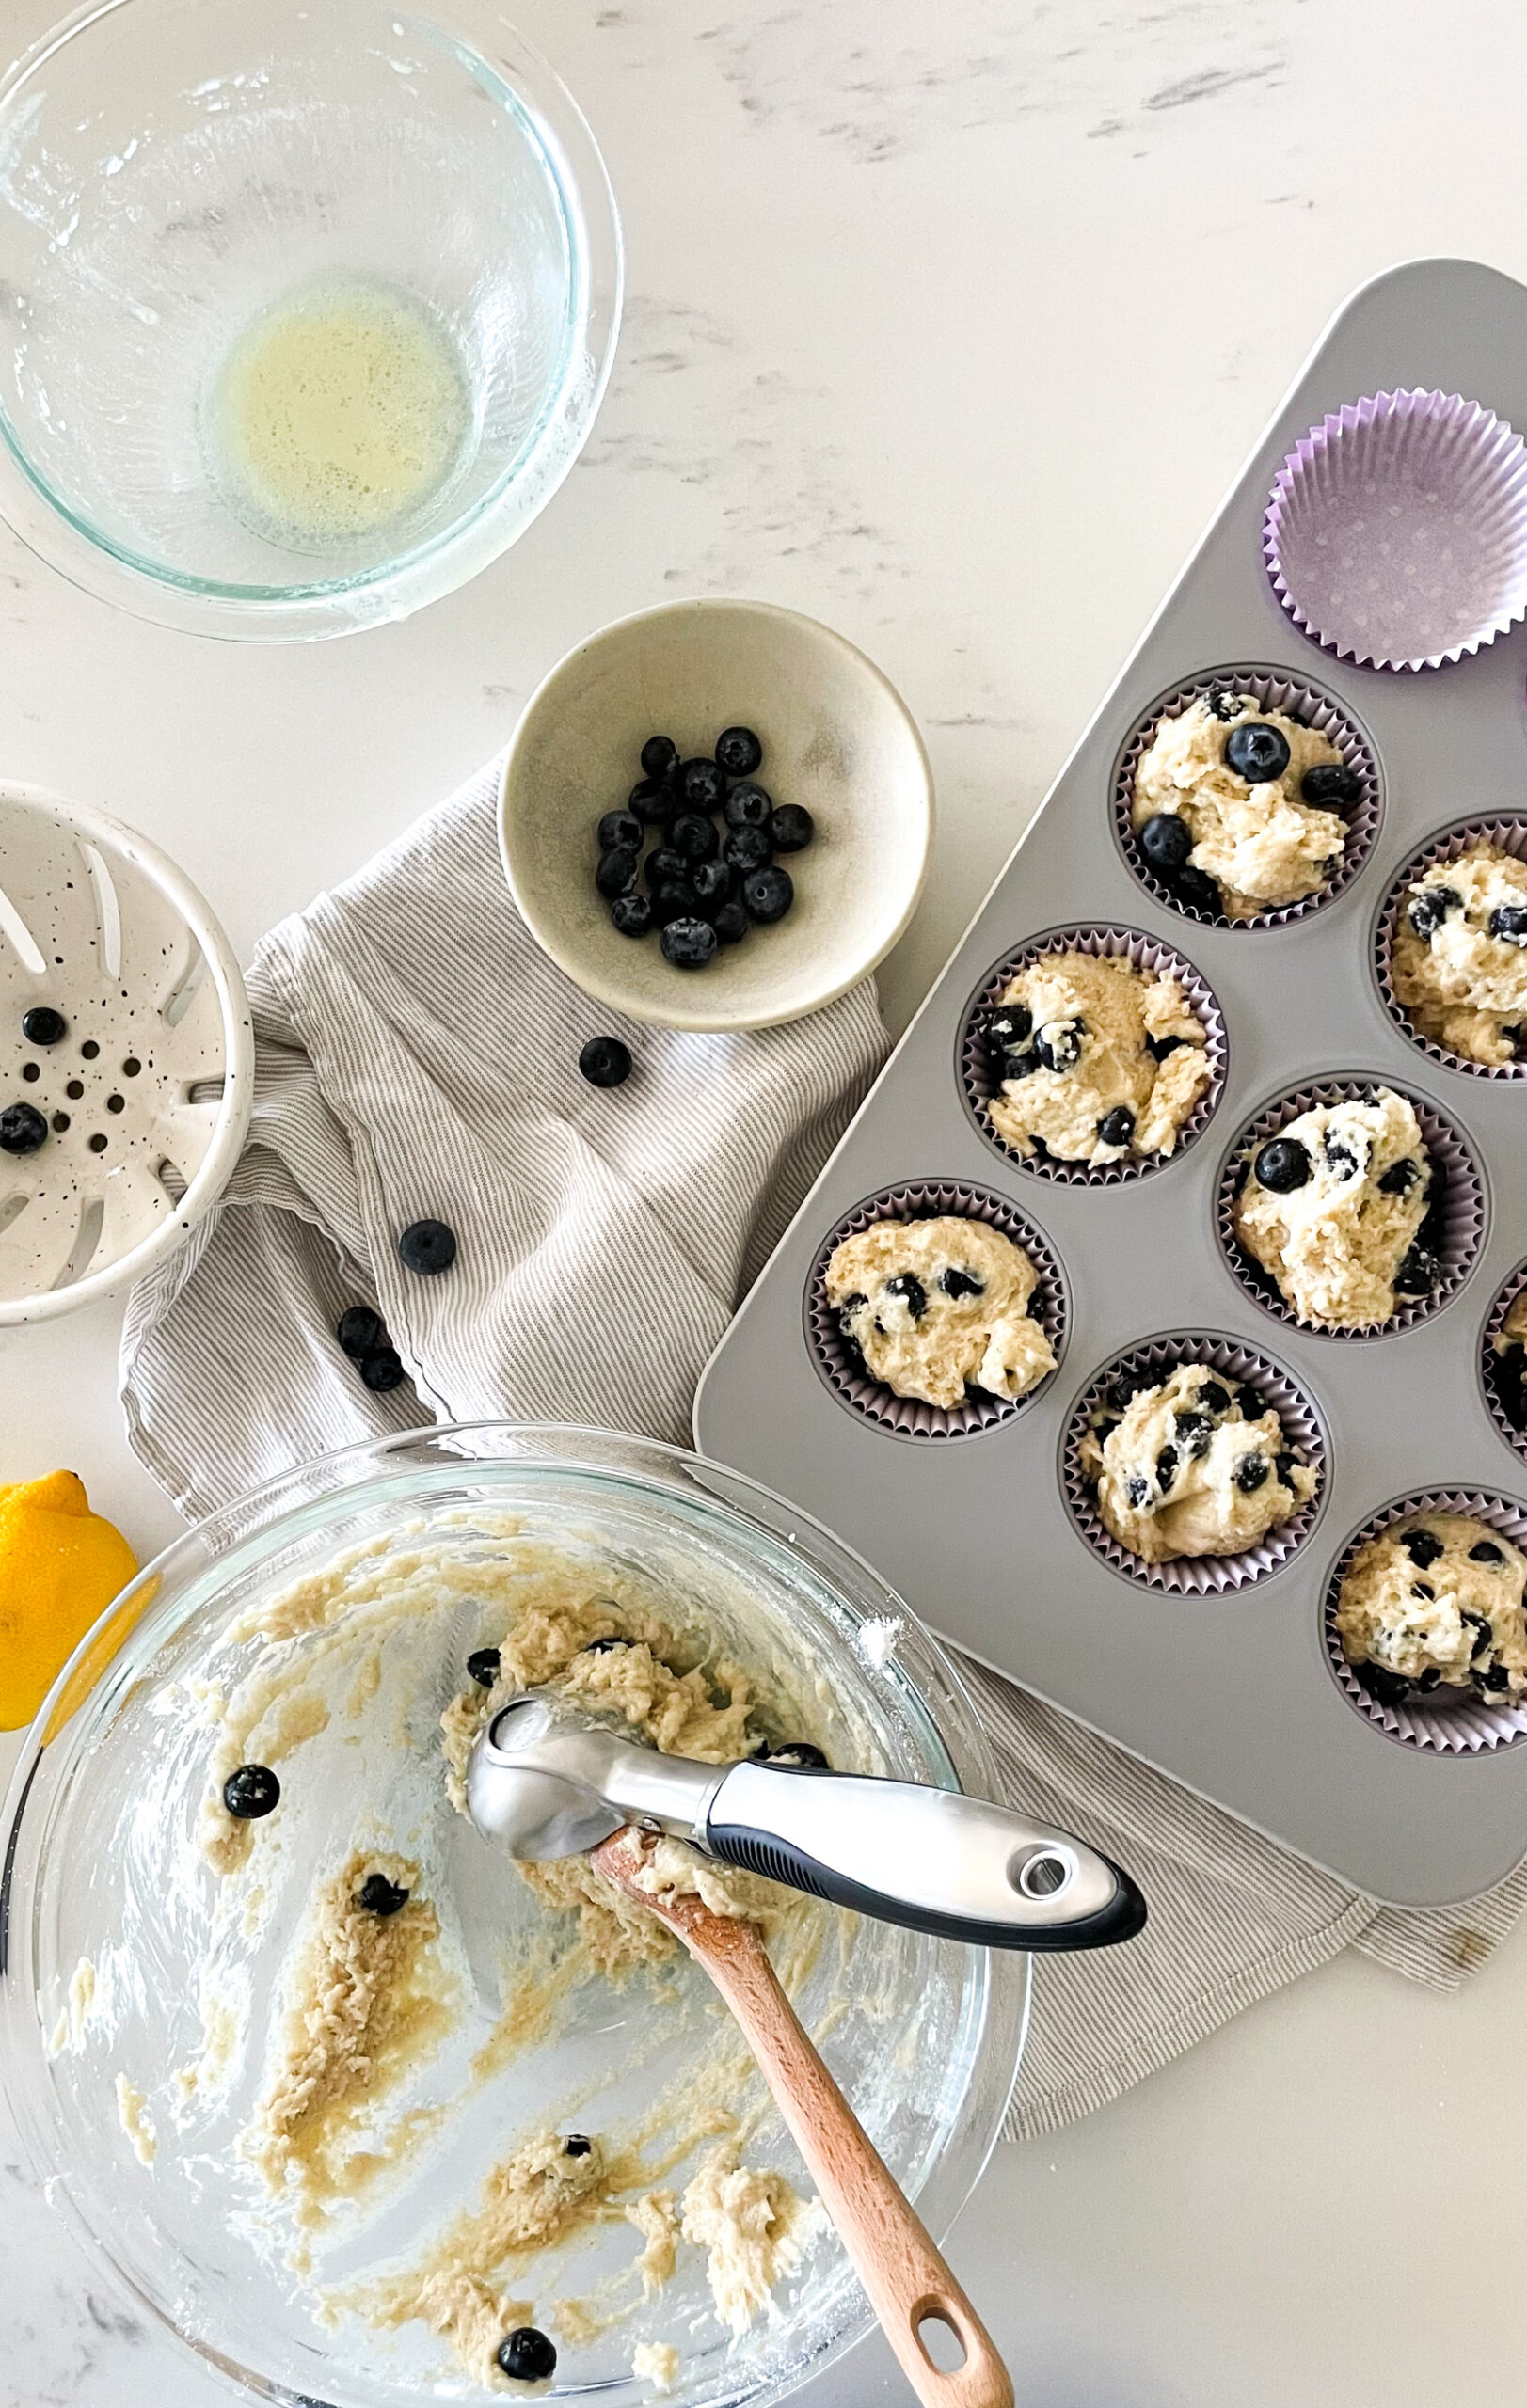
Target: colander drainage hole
942, 2345
98, 1143
30, 1071
89, 1049
60, 1121
116, 1103
131, 1067
75, 1090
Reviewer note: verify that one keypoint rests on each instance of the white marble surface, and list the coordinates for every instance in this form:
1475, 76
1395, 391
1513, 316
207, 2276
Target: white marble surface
950, 325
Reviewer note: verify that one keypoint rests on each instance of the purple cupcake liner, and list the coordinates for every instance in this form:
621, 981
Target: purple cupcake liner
1463, 1225
837, 1360
1444, 1722
1303, 1432
1495, 1404
1395, 534
1274, 691
1509, 834
1114, 944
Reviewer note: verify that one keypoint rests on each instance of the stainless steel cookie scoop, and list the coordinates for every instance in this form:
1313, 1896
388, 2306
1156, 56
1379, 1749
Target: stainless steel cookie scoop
547, 1779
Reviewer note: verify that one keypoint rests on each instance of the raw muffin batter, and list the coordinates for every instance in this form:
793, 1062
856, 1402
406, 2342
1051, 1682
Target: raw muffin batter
1247, 801
1460, 955
1095, 1060
1437, 1601
1191, 1464
936, 1306
1342, 1211
1509, 1363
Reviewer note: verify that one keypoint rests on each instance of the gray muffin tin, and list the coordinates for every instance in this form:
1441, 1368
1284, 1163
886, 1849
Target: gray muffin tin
1231, 1693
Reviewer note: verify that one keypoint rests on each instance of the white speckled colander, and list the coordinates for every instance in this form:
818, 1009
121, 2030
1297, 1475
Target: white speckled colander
144, 1098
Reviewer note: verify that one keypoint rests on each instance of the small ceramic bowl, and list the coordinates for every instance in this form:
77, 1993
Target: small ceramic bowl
836, 737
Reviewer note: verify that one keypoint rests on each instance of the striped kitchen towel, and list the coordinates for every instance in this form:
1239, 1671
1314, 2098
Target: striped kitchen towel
417, 1056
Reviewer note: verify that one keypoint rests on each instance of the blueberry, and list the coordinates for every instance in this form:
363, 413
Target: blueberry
1340, 1160
674, 900
380, 1896
748, 807
1006, 1026
1104, 1427
1117, 1127
662, 864
747, 849
620, 827
714, 883
1430, 907
1430, 1678
738, 751
616, 872
955, 1282
251, 1793
799, 1751
1058, 1043
382, 1370
1480, 1624
1423, 1547
1193, 1432
1019, 1066
576, 2144
1282, 1164
768, 894
1508, 921
1485, 1552
1517, 1034
660, 757
1212, 1397
1389, 1688
1495, 1676
652, 799
1123, 1390
605, 1062
1400, 1177
526, 2355
1256, 752
603, 1646
1285, 1466
687, 943
1330, 783
632, 915
1418, 1275
1159, 1047
42, 1025
22, 1130
483, 1665
1424, 1590
791, 827
906, 1285
693, 838
1250, 1472
702, 786
1137, 1490
1166, 841
1253, 1405
428, 1247
731, 924
361, 1331
1220, 703
1197, 890
1166, 1469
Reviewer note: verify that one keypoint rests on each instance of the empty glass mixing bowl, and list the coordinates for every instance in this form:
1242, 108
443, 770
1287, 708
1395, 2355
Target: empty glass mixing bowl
306, 310
103, 1873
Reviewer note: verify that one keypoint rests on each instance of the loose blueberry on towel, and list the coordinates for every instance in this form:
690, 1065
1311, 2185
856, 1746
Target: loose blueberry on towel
1197, 889
620, 827
1485, 1552
22, 1130
652, 799
605, 1062
659, 757
1257, 751
768, 894
1508, 921
1117, 1127
361, 1331
576, 2144
632, 915
747, 849
1166, 841
526, 2355
731, 924
791, 827
738, 751
702, 786
1328, 785
380, 1896
693, 838
747, 806
1400, 1177
251, 1791
483, 1665
616, 872
428, 1247
1430, 907
907, 1285
1282, 1164
713, 883
797, 1752
42, 1025
382, 1370
687, 943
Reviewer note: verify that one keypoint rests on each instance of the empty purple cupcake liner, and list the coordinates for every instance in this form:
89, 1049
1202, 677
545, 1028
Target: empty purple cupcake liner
1516, 1439
1463, 1218
1401, 583
1303, 1432
910, 1417
1274, 690
1510, 835
1116, 945
1444, 1724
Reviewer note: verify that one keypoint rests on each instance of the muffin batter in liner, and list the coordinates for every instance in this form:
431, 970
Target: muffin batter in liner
1508, 835
1275, 693
1458, 1724
1463, 1212
1510, 1293
912, 1417
1303, 1432
1114, 944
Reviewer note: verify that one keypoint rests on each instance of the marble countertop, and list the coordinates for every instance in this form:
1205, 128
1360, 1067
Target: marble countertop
951, 327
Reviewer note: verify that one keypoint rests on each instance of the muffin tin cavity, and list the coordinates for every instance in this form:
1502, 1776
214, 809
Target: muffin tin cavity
1275, 690
1304, 1434
1111, 943
1508, 833
1463, 1208
1444, 1721
1506, 1403
837, 1360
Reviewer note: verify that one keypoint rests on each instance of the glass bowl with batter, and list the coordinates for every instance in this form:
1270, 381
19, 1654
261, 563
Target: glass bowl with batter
178, 1985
